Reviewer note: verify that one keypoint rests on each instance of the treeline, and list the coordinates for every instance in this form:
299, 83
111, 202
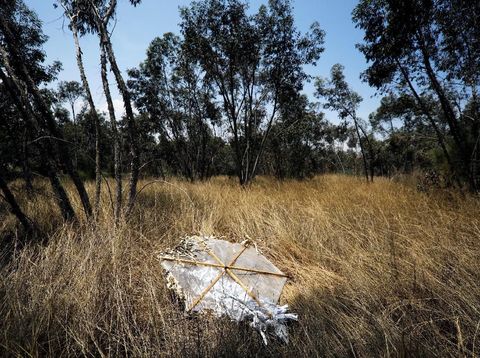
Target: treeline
225, 96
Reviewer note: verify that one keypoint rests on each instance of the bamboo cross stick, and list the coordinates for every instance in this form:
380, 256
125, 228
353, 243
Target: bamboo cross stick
211, 264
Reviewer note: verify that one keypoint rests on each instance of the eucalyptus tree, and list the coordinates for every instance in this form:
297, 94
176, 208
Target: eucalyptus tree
299, 141
21, 71
12, 127
341, 98
70, 92
255, 63
15, 151
78, 24
99, 13
170, 88
407, 140
432, 51
94, 16
46, 147
117, 156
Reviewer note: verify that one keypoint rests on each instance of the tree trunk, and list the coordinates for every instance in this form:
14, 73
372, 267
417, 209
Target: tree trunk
116, 137
61, 195
447, 109
236, 145
444, 103
93, 111
47, 152
370, 153
131, 125
75, 137
14, 207
426, 112
46, 114
63, 150
27, 174
262, 143
365, 166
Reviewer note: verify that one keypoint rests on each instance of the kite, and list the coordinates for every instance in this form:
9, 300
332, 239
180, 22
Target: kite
232, 279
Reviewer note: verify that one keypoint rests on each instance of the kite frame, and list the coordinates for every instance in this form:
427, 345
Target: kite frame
226, 269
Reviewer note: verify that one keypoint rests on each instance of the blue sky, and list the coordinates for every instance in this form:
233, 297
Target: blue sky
136, 27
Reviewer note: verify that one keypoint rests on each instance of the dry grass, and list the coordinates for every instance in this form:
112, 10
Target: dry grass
379, 270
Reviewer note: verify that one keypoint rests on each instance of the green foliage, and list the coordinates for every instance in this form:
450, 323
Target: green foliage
178, 105
18, 146
70, 92
254, 63
339, 97
433, 55
337, 93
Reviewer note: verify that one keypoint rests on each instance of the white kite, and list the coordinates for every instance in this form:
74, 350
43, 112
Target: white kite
229, 279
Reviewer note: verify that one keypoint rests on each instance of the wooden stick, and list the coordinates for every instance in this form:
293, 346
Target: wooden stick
226, 269
210, 264
205, 291
242, 285
221, 264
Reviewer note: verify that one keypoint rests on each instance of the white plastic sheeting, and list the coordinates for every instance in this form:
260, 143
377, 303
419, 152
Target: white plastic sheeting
229, 279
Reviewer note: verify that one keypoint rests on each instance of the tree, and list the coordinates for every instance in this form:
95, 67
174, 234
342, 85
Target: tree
70, 92
255, 62
94, 16
116, 136
414, 50
72, 11
15, 151
341, 98
300, 142
12, 127
21, 34
99, 13
409, 141
171, 89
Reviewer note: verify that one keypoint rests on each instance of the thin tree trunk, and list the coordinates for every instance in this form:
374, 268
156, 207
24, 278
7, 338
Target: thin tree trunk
61, 195
232, 116
116, 136
47, 152
236, 144
370, 154
46, 114
63, 150
93, 111
262, 143
457, 133
27, 174
339, 159
75, 139
444, 103
131, 125
365, 166
14, 207
426, 112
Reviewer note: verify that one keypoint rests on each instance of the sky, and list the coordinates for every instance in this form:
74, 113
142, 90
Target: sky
137, 26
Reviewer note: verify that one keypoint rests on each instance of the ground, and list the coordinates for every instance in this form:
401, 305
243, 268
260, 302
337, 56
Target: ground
377, 270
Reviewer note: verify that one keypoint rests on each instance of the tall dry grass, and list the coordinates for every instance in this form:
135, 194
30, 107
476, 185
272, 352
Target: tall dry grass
378, 270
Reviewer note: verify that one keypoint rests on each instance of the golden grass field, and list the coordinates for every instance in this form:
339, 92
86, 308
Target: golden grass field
378, 270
